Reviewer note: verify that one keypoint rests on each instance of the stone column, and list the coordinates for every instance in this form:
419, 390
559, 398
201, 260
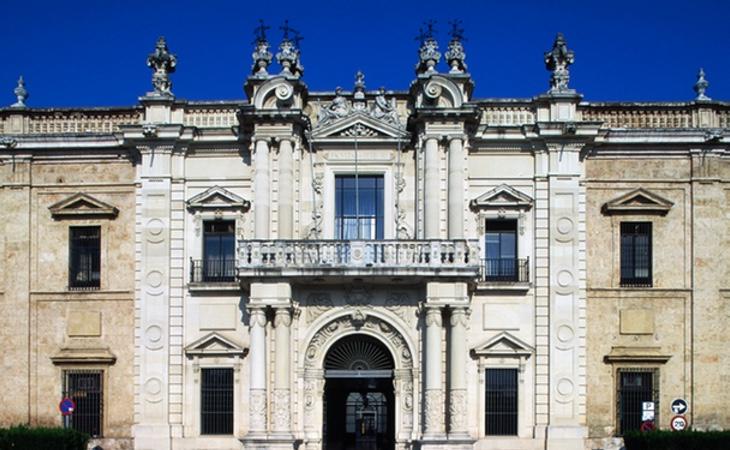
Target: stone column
433, 389
262, 198
457, 373
257, 360
286, 182
432, 190
282, 362
456, 188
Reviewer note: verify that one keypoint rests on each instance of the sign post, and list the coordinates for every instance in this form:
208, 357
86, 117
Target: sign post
67, 406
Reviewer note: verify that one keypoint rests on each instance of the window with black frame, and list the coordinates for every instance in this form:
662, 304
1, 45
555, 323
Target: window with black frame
216, 401
219, 247
85, 388
635, 388
84, 257
636, 254
501, 409
500, 261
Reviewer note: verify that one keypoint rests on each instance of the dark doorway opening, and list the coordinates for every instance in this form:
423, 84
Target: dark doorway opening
359, 401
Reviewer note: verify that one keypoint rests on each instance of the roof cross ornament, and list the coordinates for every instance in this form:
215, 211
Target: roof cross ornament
455, 55
359, 90
261, 55
428, 53
557, 60
21, 94
701, 86
288, 55
163, 63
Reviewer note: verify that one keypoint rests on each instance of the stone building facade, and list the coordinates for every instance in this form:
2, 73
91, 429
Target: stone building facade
365, 269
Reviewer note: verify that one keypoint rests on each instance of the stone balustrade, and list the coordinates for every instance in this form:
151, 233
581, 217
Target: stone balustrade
459, 258
72, 121
508, 115
211, 116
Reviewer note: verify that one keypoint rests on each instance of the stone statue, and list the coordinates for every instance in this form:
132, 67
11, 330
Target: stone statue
428, 54
21, 94
383, 109
701, 87
455, 55
338, 109
557, 61
288, 55
261, 55
163, 63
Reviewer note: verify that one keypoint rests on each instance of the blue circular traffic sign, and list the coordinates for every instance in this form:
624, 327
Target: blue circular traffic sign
67, 406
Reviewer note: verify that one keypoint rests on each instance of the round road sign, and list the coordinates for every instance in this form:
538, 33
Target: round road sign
678, 423
67, 406
679, 406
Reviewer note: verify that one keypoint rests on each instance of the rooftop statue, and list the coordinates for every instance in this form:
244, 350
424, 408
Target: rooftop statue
338, 109
385, 110
163, 63
557, 61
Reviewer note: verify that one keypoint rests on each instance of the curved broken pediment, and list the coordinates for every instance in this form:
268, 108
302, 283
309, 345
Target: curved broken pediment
440, 92
276, 93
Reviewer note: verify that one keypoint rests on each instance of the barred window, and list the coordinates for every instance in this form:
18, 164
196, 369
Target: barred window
85, 388
635, 386
501, 402
84, 257
636, 254
216, 401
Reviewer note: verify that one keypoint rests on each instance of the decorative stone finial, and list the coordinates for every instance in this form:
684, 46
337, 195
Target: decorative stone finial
701, 87
163, 63
557, 61
261, 54
455, 55
428, 53
21, 94
359, 85
288, 55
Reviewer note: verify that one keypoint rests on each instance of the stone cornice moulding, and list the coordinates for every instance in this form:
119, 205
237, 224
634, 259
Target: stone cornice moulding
637, 201
636, 355
82, 205
503, 345
214, 344
502, 197
83, 355
216, 198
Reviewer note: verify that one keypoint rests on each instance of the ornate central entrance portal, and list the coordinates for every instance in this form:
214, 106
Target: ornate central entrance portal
359, 395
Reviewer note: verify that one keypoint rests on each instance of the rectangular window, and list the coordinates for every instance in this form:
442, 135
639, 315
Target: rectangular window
359, 207
501, 402
219, 248
84, 257
85, 388
635, 387
500, 242
216, 401
636, 254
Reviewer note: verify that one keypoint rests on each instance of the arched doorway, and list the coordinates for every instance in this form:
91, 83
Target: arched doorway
359, 403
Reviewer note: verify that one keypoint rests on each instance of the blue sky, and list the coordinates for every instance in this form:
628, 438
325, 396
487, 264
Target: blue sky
92, 53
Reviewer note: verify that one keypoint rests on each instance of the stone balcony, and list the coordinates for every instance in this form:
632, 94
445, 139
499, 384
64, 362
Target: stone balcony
381, 261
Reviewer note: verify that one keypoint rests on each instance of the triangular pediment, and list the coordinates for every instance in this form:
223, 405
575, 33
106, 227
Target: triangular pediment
502, 197
214, 344
217, 198
638, 201
81, 204
503, 345
359, 124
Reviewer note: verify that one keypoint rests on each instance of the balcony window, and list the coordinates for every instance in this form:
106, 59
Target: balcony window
219, 246
84, 257
359, 207
500, 243
636, 254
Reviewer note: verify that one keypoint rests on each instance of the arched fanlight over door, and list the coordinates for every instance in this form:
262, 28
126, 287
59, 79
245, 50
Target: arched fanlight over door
359, 353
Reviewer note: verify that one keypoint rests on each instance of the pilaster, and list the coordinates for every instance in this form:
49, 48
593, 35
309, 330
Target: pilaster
262, 190
456, 188
432, 192
285, 189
